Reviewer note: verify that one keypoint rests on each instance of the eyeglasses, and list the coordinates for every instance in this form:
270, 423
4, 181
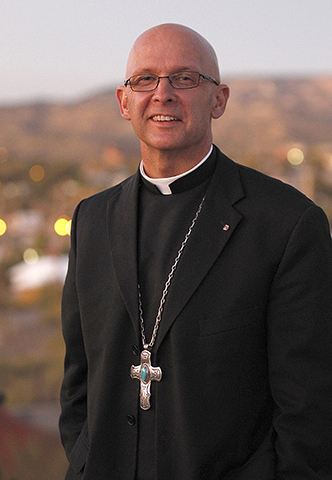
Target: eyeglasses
147, 82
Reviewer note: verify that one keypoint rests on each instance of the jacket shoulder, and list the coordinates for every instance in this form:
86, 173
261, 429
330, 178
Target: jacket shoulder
99, 200
269, 188
263, 190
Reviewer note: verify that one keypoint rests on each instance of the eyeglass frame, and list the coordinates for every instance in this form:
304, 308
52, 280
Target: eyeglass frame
206, 77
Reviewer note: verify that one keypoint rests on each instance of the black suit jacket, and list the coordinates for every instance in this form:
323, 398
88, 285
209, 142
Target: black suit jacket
244, 344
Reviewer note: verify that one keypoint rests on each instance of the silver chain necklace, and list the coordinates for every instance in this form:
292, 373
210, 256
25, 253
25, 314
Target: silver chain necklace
145, 372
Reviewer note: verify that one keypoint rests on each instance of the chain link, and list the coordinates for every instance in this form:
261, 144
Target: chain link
166, 288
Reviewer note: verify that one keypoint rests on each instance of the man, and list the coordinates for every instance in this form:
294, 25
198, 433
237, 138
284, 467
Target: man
198, 302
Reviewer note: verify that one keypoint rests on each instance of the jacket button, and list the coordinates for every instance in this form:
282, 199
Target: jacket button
131, 420
135, 350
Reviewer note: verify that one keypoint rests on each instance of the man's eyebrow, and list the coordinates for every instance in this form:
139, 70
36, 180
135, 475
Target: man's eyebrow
143, 70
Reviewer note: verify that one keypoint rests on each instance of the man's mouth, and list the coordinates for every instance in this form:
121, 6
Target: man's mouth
164, 118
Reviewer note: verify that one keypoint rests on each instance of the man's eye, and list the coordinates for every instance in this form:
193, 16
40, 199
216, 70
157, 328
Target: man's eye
144, 79
185, 78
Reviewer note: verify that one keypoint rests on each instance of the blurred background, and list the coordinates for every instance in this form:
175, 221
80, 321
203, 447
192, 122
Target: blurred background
62, 139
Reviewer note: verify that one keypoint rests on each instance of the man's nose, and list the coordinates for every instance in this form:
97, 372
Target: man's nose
164, 91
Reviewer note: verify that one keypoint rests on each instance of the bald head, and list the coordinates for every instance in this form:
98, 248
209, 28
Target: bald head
164, 39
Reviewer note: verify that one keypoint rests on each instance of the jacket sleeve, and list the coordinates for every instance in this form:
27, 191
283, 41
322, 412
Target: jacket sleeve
73, 396
300, 351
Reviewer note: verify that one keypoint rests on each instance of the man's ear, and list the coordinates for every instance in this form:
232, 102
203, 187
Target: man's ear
121, 95
220, 100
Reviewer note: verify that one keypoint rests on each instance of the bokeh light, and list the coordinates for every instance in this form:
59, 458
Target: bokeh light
68, 227
3, 226
37, 173
62, 226
30, 256
295, 156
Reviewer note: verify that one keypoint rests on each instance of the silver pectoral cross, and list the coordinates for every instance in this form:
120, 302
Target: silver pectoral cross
145, 373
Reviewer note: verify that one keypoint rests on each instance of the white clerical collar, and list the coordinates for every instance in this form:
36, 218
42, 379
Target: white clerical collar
163, 184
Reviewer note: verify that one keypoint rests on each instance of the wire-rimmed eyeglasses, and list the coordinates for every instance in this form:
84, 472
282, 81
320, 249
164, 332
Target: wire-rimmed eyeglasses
147, 82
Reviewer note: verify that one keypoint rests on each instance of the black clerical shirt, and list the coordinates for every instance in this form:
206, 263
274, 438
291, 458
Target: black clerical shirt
164, 220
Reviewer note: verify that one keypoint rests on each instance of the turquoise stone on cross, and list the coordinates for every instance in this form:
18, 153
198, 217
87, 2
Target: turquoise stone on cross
145, 373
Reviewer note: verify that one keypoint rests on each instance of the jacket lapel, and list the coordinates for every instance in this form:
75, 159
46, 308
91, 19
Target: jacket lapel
213, 229
122, 234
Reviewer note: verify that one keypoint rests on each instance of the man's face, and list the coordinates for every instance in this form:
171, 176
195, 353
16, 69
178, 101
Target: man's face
169, 119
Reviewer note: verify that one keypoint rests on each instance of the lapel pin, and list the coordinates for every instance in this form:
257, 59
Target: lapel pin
226, 227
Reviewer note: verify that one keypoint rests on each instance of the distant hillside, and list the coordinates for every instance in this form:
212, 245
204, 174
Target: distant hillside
266, 113
263, 113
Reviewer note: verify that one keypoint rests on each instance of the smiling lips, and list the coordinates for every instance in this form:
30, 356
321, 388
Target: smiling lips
164, 118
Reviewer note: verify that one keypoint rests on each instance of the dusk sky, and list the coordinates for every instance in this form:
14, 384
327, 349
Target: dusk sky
63, 50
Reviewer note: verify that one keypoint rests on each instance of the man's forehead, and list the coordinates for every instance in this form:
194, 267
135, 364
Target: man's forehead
160, 65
